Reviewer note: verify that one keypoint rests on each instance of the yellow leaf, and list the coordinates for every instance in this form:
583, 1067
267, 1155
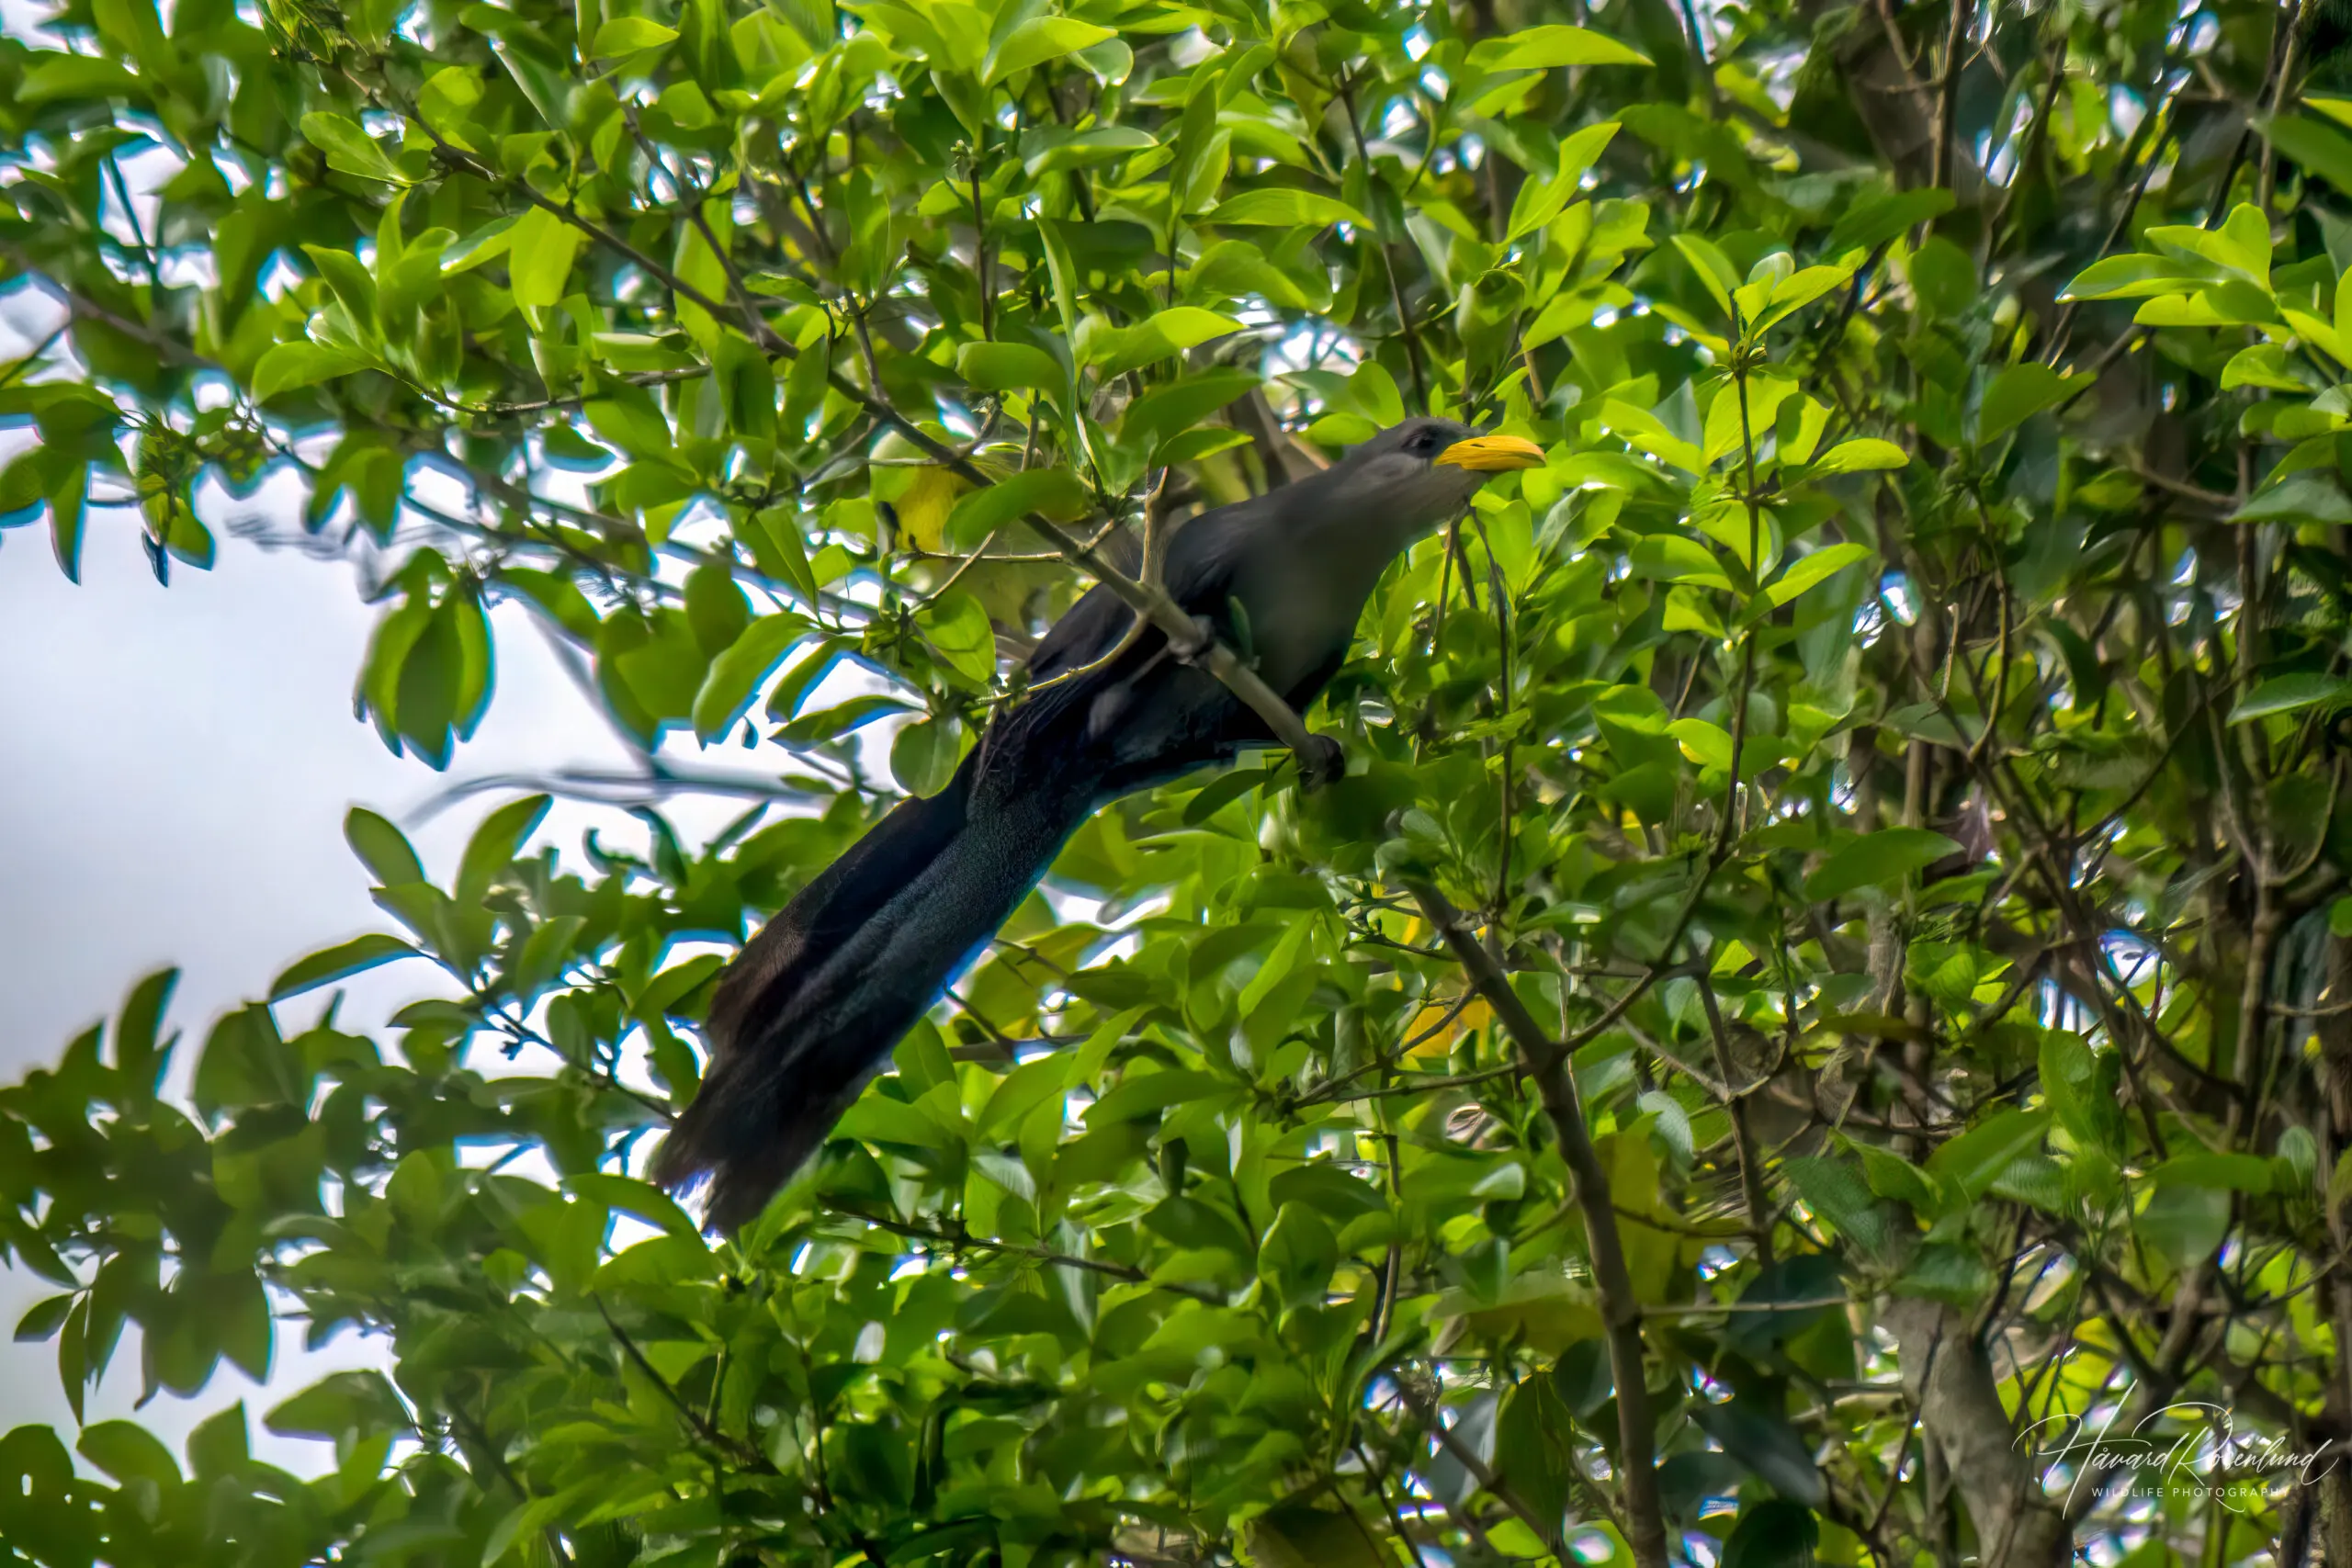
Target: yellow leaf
1476, 1016
923, 507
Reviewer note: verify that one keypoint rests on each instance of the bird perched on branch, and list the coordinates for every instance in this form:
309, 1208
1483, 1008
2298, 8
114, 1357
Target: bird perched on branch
811, 1009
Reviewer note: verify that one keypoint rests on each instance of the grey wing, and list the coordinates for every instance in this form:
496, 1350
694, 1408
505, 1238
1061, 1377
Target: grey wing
1087, 630
1201, 560
1203, 556
1092, 626
1150, 710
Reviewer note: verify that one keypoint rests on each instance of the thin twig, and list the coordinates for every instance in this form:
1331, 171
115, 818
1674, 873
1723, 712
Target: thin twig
1039, 1254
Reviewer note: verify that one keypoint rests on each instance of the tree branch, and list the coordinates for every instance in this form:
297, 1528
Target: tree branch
87, 308
1432, 1420
1038, 1254
1548, 1063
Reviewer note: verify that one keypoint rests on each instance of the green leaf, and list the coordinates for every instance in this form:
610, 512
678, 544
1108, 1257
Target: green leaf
2125, 277
1062, 270
628, 35
2264, 364
631, 420
735, 675
1053, 493
2319, 147
2018, 393
128, 1452
1162, 336
341, 961
68, 498
53, 76
44, 1318
1063, 150
627, 1195
672, 989
957, 627
1540, 201
382, 848
1038, 40
1976, 1158
1028, 1087
1300, 1535
347, 147
1863, 455
2082, 1090
1891, 1176
538, 258
1835, 1191
1715, 271
841, 718
1166, 411
1761, 1438
497, 841
342, 1405
2222, 1172
2290, 694
291, 366
805, 385
2184, 1222
1670, 558
1221, 792
42, 1513
1297, 1255
556, 596
1285, 205
1813, 569
2307, 497
878, 1119
1008, 366
1142, 1094
717, 610
138, 1036
1772, 1534
1796, 291
1874, 859
1540, 49
1877, 218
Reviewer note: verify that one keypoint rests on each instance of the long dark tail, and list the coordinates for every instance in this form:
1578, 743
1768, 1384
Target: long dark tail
811, 1009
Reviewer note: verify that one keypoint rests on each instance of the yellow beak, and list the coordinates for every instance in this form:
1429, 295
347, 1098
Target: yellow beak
1493, 454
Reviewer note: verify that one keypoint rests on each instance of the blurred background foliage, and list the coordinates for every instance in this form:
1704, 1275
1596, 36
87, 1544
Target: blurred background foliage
1871, 805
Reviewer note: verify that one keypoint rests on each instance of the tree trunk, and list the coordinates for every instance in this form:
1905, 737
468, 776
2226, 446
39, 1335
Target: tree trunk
1948, 1372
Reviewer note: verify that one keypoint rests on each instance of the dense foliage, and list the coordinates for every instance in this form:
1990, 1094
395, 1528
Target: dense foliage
1871, 807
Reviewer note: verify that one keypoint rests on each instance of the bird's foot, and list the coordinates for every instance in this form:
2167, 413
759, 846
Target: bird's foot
1203, 640
1320, 761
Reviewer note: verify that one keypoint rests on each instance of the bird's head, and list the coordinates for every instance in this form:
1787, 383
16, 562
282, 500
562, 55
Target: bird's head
1429, 469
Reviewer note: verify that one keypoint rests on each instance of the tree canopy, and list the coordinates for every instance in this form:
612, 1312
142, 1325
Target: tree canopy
1825, 983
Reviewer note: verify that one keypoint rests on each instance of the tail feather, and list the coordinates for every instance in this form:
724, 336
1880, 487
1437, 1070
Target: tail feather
809, 1012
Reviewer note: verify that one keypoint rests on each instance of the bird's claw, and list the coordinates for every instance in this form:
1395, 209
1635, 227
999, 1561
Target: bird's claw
1320, 761
1203, 640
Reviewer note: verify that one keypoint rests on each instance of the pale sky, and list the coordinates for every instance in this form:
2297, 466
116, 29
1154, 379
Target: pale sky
182, 759
180, 762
